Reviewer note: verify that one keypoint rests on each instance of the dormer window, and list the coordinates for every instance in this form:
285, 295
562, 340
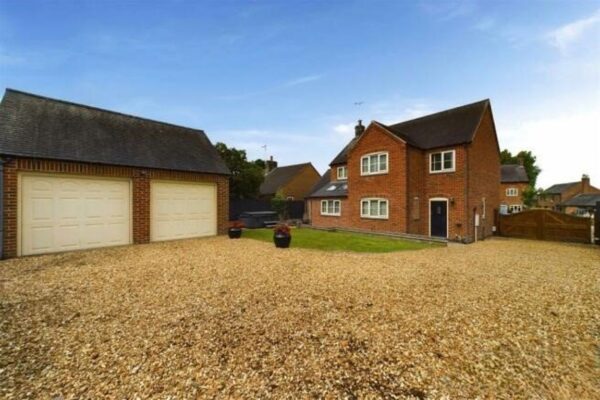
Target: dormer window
342, 173
374, 163
442, 161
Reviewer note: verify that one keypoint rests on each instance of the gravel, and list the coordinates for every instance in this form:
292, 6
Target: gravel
219, 318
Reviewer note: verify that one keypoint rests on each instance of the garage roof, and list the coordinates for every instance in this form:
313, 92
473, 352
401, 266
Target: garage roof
41, 127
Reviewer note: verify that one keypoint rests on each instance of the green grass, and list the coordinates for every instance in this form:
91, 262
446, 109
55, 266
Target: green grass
307, 238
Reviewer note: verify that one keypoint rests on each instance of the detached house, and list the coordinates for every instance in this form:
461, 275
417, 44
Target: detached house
557, 196
437, 175
513, 182
77, 177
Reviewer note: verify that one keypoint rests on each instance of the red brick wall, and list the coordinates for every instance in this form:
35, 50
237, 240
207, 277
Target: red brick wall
484, 176
508, 200
140, 178
300, 185
328, 221
391, 186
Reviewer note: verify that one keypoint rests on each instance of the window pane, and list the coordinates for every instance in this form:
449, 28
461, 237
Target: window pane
383, 208
365, 207
448, 160
336, 207
365, 164
323, 206
374, 210
436, 162
373, 164
383, 162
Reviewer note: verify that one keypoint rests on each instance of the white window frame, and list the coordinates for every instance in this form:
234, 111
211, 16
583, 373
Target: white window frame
512, 192
443, 170
379, 200
378, 154
328, 207
515, 208
342, 176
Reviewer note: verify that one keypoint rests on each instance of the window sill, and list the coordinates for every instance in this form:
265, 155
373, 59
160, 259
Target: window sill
381, 218
374, 173
446, 171
331, 215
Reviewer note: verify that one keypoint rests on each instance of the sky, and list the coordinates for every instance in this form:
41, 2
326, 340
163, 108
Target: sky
296, 75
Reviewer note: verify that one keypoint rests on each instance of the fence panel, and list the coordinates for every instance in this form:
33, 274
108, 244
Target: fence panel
545, 225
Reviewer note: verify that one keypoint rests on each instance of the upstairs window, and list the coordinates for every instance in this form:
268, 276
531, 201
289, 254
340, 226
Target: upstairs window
374, 208
374, 163
442, 161
331, 207
512, 192
342, 173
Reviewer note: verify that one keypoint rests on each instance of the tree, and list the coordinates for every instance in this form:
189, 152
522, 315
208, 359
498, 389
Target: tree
528, 160
279, 204
246, 177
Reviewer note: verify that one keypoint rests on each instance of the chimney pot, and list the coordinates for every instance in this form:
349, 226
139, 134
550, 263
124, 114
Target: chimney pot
359, 128
585, 183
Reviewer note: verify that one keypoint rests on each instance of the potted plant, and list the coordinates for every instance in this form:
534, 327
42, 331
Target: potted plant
235, 230
282, 236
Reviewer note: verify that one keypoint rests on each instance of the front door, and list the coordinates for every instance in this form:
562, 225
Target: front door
439, 218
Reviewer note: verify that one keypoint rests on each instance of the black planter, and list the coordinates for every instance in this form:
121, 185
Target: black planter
282, 241
234, 233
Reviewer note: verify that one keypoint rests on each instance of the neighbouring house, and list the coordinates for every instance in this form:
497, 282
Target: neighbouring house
77, 177
583, 204
513, 182
437, 175
294, 181
560, 193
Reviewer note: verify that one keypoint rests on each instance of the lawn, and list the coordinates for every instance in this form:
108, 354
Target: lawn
217, 318
307, 238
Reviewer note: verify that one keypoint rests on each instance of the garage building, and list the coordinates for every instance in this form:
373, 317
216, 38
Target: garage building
76, 177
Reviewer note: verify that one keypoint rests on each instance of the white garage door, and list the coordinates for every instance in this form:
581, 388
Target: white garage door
182, 210
60, 213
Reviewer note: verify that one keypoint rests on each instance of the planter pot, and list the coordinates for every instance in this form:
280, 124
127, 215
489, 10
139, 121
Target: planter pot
234, 233
282, 241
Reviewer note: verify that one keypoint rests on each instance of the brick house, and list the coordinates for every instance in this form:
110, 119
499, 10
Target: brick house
513, 182
77, 177
294, 181
560, 193
436, 175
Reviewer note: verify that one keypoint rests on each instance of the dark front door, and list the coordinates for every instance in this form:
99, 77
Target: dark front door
439, 218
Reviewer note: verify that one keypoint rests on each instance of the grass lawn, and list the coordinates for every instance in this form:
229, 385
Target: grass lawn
342, 241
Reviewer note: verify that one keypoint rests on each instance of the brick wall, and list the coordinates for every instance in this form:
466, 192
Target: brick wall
300, 185
328, 221
484, 176
512, 200
140, 178
391, 185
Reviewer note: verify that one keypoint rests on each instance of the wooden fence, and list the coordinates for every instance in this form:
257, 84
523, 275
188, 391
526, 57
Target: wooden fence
546, 225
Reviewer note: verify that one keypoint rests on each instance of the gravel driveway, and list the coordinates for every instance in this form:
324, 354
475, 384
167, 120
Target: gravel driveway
223, 318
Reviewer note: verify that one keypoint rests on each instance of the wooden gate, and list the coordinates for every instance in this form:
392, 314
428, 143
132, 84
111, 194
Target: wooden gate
546, 225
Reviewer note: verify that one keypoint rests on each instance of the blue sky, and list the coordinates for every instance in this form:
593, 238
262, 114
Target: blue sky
288, 73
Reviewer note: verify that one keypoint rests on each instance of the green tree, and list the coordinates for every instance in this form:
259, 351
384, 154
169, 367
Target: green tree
279, 204
246, 177
533, 170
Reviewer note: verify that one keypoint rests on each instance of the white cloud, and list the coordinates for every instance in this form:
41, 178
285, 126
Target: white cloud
566, 35
302, 80
566, 145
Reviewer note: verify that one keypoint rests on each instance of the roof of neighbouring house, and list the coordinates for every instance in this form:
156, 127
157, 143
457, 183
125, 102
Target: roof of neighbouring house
331, 189
41, 127
560, 188
446, 128
583, 200
322, 182
280, 176
511, 173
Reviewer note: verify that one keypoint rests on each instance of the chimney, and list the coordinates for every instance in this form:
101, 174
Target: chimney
359, 128
585, 183
270, 165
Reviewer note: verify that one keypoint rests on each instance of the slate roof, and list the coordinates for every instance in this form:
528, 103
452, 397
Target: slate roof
511, 173
332, 189
583, 200
322, 182
560, 188
442, 129
280, 176
41, 127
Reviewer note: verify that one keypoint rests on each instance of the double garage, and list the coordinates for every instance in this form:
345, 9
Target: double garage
61, 213
77, 177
